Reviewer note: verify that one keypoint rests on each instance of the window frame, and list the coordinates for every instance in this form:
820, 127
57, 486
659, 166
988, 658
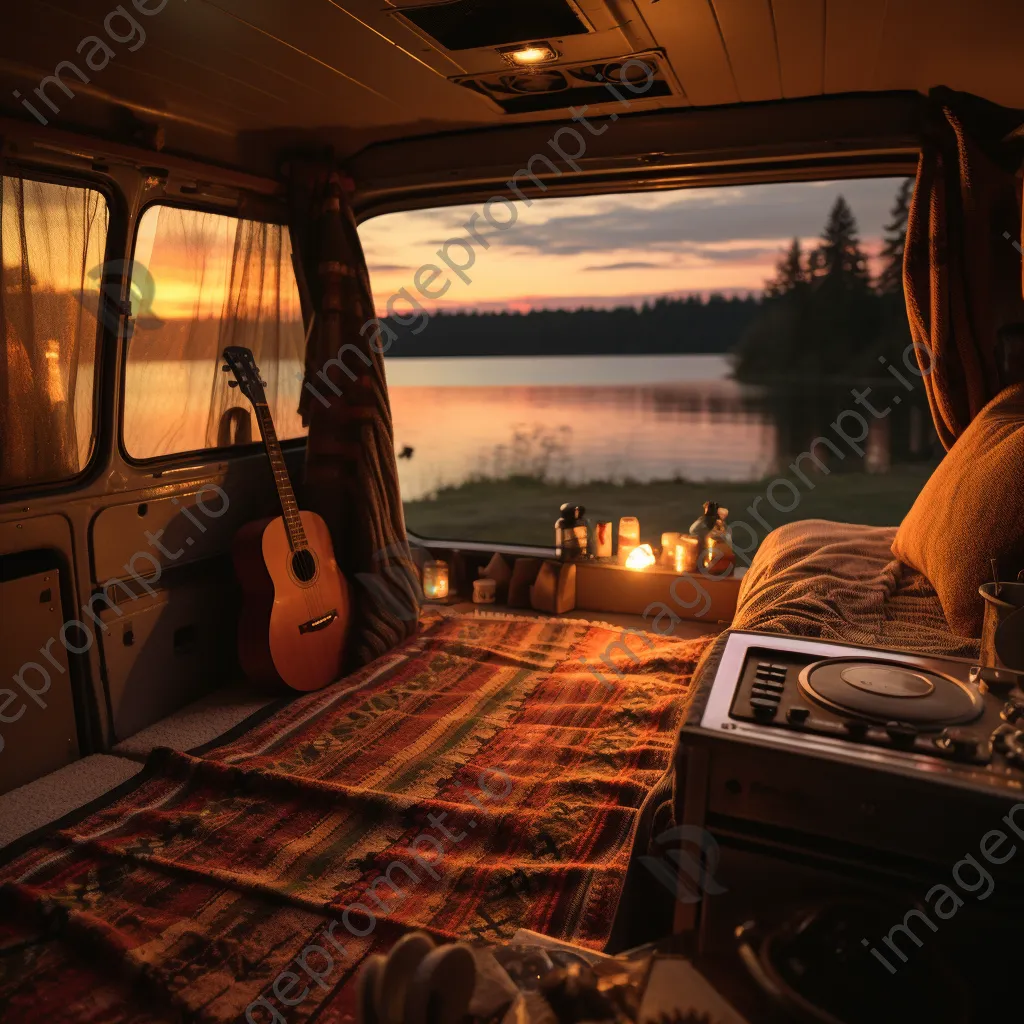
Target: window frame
204, 456
887, 161
106, 337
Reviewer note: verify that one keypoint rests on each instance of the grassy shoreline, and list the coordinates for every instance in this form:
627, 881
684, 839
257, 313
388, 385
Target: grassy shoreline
523, 509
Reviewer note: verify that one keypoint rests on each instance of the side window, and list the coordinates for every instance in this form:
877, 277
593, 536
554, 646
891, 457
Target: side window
201, 281
641, 353
53, 239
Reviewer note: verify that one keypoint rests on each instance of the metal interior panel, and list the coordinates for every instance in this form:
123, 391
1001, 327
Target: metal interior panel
38, 733
164, 650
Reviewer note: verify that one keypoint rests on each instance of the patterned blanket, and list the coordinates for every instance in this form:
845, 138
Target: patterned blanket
485, 776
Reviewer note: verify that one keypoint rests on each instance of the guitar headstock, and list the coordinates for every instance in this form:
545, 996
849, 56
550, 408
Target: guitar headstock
241, 363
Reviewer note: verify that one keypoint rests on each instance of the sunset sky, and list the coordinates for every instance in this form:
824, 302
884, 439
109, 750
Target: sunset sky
618, 249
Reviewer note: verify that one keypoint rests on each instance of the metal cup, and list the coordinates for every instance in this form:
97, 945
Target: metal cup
1002, 632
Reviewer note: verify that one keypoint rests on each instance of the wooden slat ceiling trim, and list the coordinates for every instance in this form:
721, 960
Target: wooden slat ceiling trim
749, 33
800, 37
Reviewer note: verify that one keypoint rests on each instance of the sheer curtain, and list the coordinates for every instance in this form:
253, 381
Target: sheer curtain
201, 281
52, 239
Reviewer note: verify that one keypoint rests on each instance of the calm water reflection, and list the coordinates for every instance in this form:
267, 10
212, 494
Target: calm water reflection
615, 418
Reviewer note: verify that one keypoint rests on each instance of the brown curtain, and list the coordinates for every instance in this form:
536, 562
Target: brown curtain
52, 240
962, 271
351, 476
202, 281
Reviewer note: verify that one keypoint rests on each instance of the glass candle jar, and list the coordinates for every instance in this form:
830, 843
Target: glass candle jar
435, 580
629, 536
687, 550
668, 549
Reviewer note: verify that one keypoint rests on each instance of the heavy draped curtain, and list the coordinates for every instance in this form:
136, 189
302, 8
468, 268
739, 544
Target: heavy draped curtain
351, 475
962, 270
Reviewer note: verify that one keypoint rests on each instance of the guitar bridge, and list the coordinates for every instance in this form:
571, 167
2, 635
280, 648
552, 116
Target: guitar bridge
321, 622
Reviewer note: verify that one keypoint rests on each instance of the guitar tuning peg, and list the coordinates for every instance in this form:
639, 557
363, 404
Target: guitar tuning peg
232, 383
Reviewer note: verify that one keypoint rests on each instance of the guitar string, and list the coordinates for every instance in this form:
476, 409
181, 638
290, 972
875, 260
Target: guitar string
312, 595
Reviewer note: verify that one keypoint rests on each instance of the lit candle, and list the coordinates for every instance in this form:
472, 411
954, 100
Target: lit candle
603, 540
668, 548
687, 550
435, 580
641, 557
629, 536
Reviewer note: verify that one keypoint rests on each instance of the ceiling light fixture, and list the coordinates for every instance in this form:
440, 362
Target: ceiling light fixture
528, 55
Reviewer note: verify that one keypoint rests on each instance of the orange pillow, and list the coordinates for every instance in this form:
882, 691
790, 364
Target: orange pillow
970, 511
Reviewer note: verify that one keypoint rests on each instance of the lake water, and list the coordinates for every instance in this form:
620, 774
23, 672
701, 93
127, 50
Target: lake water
599, 418
610, 418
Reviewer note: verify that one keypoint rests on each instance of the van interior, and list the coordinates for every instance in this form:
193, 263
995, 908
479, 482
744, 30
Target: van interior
511, 512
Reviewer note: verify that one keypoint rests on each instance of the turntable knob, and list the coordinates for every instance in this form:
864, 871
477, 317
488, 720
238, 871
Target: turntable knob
1012, 711
958, 742
797, 715
856, 729
902, 734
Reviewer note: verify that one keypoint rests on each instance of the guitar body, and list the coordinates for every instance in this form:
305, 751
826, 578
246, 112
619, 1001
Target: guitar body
296, 608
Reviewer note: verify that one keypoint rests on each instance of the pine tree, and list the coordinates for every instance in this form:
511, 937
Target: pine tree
789, 272
890, 280
814, 268
841, 256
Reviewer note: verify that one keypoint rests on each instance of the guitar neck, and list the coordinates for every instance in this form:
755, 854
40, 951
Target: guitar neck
285, 493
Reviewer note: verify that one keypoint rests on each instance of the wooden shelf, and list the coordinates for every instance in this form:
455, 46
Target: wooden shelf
609, 587
655, 598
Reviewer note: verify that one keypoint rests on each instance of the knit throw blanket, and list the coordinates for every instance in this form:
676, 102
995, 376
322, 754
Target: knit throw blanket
487, 775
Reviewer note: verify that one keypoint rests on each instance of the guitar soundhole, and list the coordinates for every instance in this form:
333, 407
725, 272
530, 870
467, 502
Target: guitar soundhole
303, 565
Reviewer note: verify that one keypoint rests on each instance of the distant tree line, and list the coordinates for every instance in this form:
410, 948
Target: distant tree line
821, 315
667, 325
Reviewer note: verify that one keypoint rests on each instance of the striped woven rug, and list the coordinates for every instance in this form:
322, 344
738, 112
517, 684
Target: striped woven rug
485, 776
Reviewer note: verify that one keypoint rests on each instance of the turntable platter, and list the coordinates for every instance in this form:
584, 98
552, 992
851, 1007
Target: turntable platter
884, 692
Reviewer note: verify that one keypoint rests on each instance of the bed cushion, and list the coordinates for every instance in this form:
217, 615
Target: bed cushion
970, 511
840, 581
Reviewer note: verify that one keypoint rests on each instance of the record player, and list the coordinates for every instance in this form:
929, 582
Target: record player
939, 708
822, 772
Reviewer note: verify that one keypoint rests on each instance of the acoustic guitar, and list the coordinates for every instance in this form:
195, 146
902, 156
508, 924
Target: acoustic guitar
295, 611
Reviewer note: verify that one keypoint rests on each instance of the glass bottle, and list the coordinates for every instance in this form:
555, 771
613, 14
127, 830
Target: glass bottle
718, 559
704, 524
571, 533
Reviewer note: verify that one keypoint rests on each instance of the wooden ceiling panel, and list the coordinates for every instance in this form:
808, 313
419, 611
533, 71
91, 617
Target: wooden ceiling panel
396, 87
800, 36
971, 46
242, 81
689, 32
150, 77
853, 36
749, 33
